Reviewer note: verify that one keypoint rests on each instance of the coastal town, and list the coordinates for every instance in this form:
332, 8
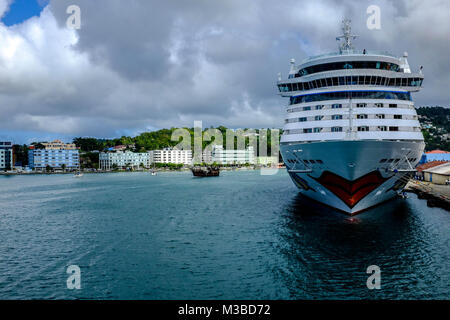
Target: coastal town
59, 157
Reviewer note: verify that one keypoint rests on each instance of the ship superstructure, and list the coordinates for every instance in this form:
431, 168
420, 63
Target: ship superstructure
351, 135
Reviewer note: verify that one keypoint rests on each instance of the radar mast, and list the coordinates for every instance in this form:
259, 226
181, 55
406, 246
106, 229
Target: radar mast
347, 36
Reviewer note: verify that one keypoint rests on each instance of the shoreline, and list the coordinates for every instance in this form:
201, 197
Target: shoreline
253, 168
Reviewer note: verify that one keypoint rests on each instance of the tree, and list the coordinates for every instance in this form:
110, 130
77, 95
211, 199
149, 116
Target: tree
63, 167
48, 168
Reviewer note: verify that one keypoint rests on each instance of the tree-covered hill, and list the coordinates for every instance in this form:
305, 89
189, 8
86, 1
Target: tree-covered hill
435, 122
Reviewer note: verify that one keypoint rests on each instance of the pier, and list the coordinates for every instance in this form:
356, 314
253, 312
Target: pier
435, 194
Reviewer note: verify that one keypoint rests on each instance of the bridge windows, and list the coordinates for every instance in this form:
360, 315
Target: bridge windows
348, 65
351, 80
338, 95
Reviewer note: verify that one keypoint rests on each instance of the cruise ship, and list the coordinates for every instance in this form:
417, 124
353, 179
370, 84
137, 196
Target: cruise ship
351, 136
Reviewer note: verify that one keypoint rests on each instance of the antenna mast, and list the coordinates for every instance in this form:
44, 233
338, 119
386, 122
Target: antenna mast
347, 36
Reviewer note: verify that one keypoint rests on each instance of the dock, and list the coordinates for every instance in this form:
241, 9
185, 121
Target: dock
435, 194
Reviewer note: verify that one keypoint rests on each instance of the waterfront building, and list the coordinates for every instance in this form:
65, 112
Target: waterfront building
123, 160
6, 155
351, 137
267, 161
435, 155
56, 155
58, 145
240, 156
171, 155
438, 174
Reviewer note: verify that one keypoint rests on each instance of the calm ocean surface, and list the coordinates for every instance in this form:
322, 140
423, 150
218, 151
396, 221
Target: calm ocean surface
238, 236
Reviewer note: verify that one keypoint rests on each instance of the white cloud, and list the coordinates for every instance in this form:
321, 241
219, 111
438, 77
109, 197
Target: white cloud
136, 65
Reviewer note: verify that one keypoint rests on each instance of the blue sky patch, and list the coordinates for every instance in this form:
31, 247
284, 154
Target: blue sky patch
21, 10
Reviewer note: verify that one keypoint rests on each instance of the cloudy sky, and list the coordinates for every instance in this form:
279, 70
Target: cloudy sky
138, 65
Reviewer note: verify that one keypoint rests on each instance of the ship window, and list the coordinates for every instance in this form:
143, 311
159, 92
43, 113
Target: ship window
383, 160
336, 117
336, 106
397, 116
302, 119
319, 107
393, 128
312, 161
363, 128
306, 108
319, 161
348, 80
380, 116
382, 128
379, 105
392, 105
336, 129
317, 130
309, 130
318, 118
361, 105
361, 116
390, 160
346, 95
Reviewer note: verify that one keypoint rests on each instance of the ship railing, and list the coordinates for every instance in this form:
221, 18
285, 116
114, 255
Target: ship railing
350, 52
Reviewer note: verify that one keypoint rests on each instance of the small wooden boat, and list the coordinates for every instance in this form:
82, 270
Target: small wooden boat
205, 171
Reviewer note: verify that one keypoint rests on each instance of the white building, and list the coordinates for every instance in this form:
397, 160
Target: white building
169, 155
123, 160
224, 156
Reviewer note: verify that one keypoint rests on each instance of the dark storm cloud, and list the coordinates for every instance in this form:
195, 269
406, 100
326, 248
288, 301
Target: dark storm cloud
135, 64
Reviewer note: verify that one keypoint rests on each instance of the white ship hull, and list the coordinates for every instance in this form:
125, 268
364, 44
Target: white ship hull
352, 176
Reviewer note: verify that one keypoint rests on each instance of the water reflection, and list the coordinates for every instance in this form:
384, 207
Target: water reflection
326, 253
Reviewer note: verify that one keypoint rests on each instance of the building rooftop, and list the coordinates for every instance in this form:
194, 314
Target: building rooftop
436, 151
443, 169
429, 165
